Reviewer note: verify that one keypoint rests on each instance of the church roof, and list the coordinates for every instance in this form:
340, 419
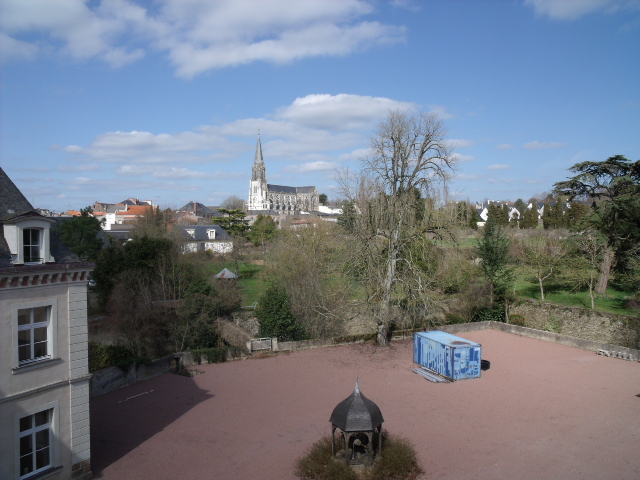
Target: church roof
356, 413
290, 190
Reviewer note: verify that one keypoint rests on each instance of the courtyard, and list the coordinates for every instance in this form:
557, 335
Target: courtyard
542, 411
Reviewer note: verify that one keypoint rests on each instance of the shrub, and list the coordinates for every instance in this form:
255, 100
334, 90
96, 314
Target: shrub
397, 461
517, 319
554, 325
275, 316
103, 356
495, 314
318, 464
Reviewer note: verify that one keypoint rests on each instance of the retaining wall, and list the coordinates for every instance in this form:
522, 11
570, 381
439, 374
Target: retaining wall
582, 323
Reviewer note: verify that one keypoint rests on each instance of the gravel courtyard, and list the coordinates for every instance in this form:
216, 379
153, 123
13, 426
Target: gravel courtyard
543, 411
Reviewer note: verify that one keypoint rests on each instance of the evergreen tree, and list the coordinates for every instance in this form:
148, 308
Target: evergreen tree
493, 250
80, 234
530, 219
263, 230
546, 216
275, 316
233, 222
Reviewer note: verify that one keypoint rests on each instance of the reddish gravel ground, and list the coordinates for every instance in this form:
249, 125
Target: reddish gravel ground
543, 411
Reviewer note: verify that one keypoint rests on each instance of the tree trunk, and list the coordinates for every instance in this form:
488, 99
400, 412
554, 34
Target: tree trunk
541, 290
605, 271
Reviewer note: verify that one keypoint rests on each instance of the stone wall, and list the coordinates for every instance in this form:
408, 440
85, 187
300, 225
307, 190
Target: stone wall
581, 323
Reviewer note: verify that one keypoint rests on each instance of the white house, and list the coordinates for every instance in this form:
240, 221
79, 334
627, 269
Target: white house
202, 238
44, 373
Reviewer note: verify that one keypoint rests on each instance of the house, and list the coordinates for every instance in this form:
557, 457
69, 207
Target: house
127, 212
196, 212
202, 238
44, 372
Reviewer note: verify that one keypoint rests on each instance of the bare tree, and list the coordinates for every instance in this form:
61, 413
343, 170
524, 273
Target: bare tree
309, 262
408, 163
543, 253
233, 202
590, 248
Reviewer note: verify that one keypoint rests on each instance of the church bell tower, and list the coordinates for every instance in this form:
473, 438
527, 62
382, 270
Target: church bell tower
258, 185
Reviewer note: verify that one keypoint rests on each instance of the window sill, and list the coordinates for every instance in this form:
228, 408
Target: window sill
44, 474
27, 367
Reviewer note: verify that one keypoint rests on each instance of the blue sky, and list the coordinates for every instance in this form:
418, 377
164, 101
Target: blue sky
162, 100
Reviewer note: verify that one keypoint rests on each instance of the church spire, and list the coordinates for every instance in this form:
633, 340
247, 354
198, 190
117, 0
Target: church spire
258, 172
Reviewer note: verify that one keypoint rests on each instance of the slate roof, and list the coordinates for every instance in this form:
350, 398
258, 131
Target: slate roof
199, 209
289, 190
13, 205
356, 413
200, 233
12, 201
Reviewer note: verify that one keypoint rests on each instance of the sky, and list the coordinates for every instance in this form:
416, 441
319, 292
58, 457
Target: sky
163, 100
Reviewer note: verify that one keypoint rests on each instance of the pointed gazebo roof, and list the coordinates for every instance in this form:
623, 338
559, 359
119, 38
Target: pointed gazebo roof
356, 413
226, 273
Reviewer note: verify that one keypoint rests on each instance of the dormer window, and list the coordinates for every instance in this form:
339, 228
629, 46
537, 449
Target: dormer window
211, 234
29, 239
32, 245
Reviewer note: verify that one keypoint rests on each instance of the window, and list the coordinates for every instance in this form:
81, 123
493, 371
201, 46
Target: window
211, 233
33, 334
31, 245
36, 442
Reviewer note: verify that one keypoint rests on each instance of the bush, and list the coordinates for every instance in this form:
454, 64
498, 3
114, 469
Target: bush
318, 464
275, 316
495, 314
103, 356
517, 319
397, 461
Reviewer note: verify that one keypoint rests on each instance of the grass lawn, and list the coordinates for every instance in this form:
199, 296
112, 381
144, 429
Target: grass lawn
556, 292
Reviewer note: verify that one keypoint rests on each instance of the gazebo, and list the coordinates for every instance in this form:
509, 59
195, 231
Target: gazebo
357, 418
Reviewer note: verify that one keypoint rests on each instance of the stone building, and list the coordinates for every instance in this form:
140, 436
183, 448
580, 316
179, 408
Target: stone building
280, 199
44, 373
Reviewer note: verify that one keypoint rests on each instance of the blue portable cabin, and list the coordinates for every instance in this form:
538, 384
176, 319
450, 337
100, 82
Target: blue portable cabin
452, 357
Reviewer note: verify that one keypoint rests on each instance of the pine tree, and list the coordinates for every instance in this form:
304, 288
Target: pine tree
275, 315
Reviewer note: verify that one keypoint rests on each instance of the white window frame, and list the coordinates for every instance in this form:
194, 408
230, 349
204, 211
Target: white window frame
54, 439
52, 332
211, 233
39, 244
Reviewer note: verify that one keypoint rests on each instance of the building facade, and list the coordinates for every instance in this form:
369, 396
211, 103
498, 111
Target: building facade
44, 372
280, 199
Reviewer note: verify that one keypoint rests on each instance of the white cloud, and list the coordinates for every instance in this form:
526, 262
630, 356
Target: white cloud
315, 134
84, 33
196, 35
460, 143
539, 145
12, 48
462, 158
442, 112
505, 146
319, 166
498, 166
340, 112
573, 9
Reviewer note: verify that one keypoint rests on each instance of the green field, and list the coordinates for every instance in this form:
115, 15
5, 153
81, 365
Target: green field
562, 294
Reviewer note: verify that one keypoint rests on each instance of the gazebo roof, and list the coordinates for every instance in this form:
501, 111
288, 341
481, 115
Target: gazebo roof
356, 413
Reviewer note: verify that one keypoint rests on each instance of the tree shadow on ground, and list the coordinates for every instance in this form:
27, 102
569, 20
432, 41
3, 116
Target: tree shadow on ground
126, 418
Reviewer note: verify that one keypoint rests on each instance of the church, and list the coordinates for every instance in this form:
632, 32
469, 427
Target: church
277, 198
